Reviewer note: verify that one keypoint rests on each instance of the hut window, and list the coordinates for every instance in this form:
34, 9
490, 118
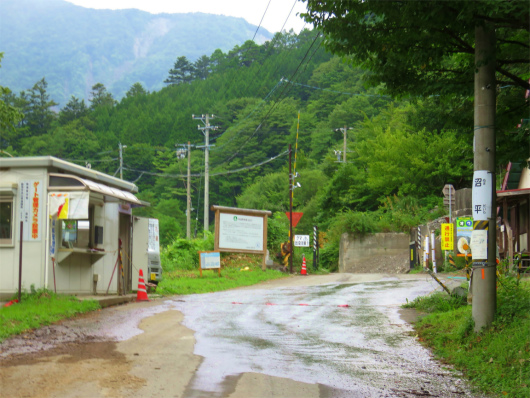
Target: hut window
6, 220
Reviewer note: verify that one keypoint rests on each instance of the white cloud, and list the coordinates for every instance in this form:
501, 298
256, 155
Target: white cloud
250, 10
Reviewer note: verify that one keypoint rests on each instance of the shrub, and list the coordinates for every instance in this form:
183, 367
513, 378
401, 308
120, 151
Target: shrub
183, 253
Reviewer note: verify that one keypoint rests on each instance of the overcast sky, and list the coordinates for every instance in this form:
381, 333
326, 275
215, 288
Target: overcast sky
251, 10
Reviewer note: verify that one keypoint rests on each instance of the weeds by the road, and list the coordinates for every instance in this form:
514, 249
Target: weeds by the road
496, 360
38, 308
236, 271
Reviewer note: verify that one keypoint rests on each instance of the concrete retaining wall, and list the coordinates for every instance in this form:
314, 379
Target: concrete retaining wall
375, 253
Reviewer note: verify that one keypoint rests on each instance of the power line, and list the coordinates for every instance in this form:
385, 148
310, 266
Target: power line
280, 99
338, 92
211, 174
263, 16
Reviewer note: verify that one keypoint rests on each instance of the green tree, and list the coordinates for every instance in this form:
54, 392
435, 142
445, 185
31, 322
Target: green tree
9, 115
100, 97
202, 67
39, 115
136, 90
422, 47
182, 72
74, 109
425, 48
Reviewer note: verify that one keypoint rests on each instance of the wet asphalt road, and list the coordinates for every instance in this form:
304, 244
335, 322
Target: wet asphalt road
351, 339
290, 338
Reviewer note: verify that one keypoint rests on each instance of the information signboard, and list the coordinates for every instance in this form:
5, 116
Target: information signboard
464, 228
240, 232
30, 208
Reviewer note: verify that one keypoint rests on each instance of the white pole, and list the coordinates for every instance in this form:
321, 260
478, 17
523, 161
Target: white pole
426, 253
433, 245
46, 242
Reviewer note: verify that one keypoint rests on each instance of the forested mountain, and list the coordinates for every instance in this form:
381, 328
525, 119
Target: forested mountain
76, 47
401, 151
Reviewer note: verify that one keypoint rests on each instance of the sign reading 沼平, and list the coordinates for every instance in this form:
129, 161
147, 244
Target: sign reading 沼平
482, 195
240, 232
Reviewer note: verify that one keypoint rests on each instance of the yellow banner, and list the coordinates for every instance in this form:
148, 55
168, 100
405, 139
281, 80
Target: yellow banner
448, 234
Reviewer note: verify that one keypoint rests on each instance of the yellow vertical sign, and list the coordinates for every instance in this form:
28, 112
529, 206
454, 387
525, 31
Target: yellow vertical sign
448, 237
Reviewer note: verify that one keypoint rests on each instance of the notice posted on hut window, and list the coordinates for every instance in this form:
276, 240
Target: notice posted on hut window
240, 232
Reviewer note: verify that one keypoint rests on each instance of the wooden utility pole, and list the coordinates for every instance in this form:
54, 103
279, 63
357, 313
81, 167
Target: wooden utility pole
484, 194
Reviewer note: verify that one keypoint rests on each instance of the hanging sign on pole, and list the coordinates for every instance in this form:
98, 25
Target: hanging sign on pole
482, 195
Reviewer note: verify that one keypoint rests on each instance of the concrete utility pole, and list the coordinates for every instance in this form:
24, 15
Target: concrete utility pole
206, 131
291, 188
188, 196
180, 155
484, 240
344, 130
121, 159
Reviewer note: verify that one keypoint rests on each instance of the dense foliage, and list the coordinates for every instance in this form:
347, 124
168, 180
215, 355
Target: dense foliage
427, 48
287, 91
497, 360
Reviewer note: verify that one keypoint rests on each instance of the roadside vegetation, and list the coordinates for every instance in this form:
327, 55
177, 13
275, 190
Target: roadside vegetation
180, 261
38, 308
496, 360
181, 276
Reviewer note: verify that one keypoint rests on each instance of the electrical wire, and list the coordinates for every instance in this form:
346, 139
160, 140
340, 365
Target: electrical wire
262, 17
211, 174
275, 104
339, 92
92, 160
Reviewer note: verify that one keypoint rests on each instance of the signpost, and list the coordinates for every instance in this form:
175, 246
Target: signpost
210, 260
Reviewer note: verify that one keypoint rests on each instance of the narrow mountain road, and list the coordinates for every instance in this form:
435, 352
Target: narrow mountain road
339, 335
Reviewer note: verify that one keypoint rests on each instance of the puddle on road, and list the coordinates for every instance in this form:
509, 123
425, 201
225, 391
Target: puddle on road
364, 347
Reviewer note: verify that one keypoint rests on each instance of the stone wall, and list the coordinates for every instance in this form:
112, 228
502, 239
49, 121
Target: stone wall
375, 253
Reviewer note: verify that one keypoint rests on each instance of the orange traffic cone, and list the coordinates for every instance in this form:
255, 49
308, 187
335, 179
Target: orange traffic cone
303, 271
142, 294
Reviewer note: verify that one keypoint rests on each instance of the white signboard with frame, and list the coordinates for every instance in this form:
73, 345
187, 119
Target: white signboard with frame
240, 232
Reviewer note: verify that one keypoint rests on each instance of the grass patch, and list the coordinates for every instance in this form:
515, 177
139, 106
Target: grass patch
38, 308
496, 360
233, 274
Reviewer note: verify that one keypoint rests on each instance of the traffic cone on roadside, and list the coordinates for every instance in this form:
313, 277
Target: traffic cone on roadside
142, 293
303, 271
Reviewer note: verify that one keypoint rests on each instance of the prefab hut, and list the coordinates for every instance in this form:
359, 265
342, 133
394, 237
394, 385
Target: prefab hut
68, 227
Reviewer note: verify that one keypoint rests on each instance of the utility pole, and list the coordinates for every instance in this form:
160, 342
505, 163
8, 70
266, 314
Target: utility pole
206, 131
291, 181
180, 155
484, 194
343, 130
121, 159
188, 196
